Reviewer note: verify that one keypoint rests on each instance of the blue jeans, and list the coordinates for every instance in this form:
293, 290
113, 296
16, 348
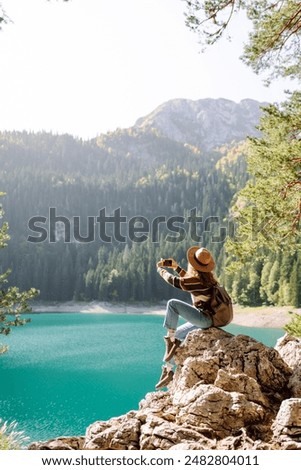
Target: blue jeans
195, 318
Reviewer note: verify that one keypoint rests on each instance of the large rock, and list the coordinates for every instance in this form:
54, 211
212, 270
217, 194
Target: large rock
223, 383
287, 425
118, 433
289, 348
228, 392
60, 443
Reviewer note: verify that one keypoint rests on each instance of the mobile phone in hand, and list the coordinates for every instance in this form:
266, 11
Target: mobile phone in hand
167, 262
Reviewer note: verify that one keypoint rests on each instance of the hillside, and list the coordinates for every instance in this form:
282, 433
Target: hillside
167, 182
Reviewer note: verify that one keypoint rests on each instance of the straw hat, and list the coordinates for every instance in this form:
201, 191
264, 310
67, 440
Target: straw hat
201, 259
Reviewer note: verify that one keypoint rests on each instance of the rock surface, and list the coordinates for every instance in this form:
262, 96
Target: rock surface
290, 350
205, 123
287, 425
228, 392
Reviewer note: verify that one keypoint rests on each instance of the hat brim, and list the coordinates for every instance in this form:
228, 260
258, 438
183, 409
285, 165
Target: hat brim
204, 268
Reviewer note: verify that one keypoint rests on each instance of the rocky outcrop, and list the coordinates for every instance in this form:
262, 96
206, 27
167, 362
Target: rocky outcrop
205, 123
290, 350
60, 443
287, 425
228, 392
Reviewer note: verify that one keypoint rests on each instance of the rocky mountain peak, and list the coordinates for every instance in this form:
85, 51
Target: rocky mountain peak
205, 123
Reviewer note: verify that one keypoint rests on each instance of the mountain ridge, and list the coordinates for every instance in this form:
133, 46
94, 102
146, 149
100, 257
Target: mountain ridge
207, 123
140, 171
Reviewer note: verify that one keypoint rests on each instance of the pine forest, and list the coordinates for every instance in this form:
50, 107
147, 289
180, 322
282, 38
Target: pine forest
88, 220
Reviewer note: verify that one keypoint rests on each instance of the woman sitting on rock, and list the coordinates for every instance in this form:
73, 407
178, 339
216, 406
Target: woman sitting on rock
198, 281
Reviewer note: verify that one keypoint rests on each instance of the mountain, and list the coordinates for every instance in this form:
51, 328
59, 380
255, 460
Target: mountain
174, 173
205, 123
187, 130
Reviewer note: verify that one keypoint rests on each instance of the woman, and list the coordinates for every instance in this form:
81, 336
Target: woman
198, 281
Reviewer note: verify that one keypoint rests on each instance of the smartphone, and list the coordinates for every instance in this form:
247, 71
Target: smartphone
167, 262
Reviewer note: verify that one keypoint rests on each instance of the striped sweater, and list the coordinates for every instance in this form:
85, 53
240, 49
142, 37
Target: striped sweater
199, 293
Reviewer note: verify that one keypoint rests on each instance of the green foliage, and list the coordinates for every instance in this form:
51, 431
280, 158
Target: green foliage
268, 208
12, 302
10, 438
294, 326
42, 170
79, 179
295, 282
266, 213
274, 43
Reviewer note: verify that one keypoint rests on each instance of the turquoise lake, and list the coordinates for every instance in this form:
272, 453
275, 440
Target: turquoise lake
65, 371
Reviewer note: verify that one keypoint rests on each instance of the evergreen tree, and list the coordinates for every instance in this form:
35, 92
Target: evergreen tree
12, 302
295, 283
272, 288
274, 43
286, 288
294, 326
268, 209
265, 274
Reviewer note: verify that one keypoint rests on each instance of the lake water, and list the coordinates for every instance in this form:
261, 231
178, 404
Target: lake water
65, 371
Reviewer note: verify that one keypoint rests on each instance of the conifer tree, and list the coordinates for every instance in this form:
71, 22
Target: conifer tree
12, 302
265, 273
274, 42
294, 326
295, 283
268, 209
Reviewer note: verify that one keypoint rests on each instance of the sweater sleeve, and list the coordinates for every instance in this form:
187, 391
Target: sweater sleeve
169, 278
180, 271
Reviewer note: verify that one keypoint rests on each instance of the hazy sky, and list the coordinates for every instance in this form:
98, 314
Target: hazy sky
89, 66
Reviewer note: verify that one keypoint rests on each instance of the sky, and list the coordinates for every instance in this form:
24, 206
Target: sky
86, 67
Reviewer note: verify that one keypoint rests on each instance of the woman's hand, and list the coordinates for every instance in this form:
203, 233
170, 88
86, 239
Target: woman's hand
167, 263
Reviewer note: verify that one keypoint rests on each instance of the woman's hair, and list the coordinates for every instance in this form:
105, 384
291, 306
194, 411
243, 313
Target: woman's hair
207, 279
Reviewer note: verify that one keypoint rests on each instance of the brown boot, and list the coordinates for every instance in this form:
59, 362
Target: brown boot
170, 348
166, 377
